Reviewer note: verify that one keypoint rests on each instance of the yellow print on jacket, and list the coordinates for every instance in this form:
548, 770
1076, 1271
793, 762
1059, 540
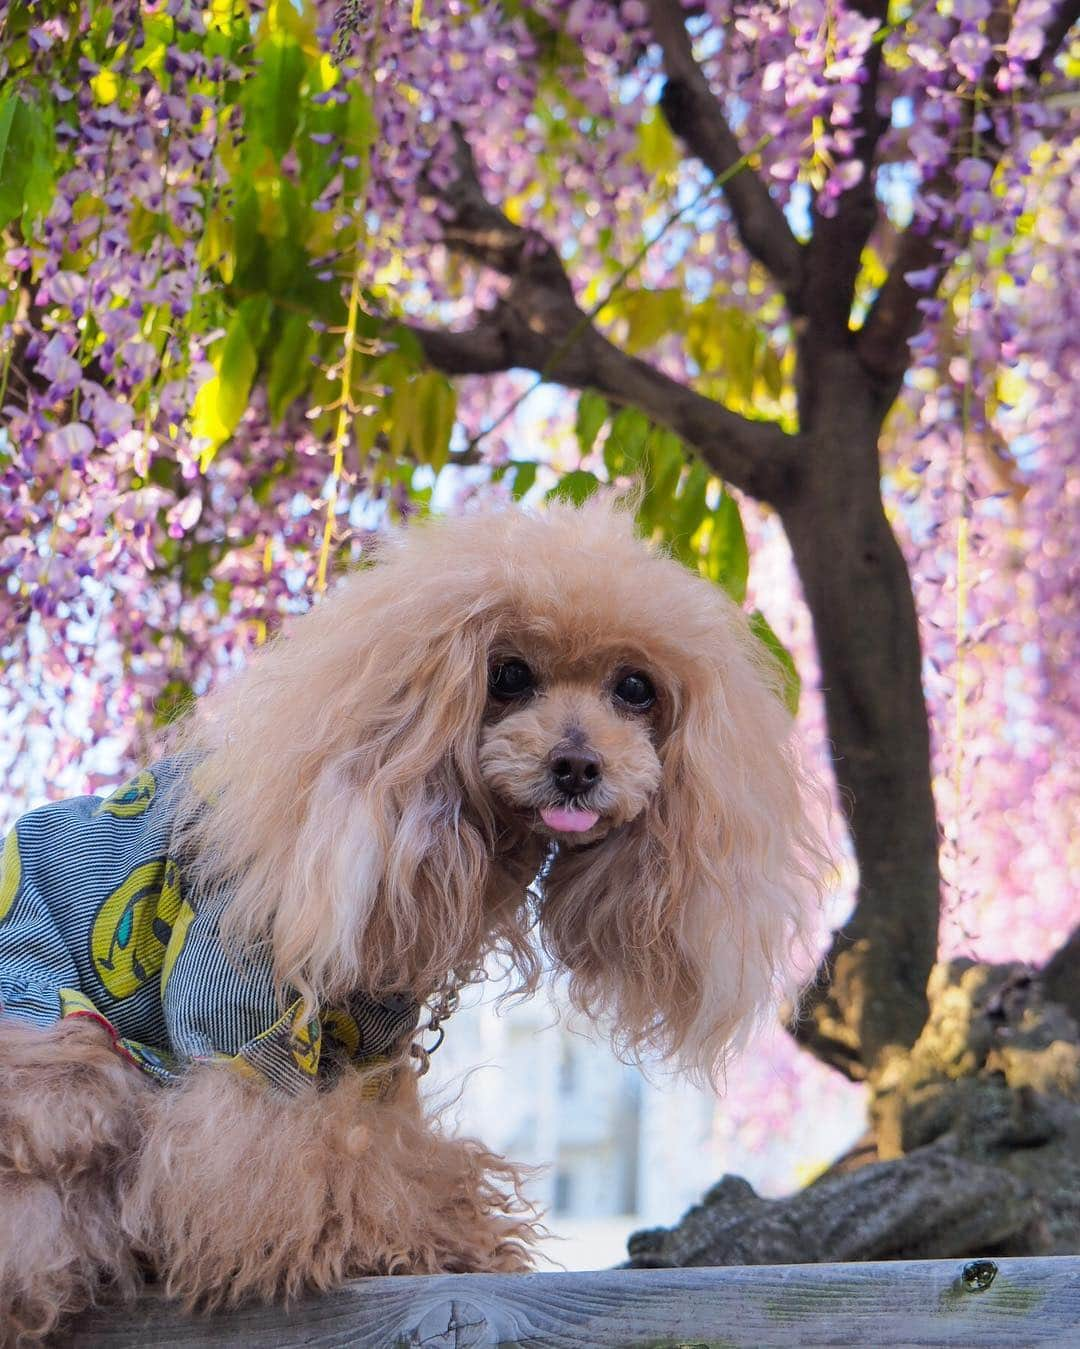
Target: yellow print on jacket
306, 1045
133, 798
132, 929
340, 1027
10, 873
184, 918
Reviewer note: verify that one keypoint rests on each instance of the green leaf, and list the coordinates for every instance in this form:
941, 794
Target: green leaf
649, 314
360, 126
657, 148
41, 177
218, 243
791, 684
741, 353
290, 371
365, 428
400, 407
17, 125
577, 487
221, 402
294, 17
723, 342
626, 442
100, 30
196, 564
663, 468
407, 346
436, 408
289, 270
251, 261
728, 561
157, 33
274, 99
771, 373
691, 509
317, 161
592, 413
39, 190
524, 477
144, 225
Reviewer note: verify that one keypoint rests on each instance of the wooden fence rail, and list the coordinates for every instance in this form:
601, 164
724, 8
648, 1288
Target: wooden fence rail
1008, 1302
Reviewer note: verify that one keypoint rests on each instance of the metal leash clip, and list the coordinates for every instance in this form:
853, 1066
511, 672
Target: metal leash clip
446, 1004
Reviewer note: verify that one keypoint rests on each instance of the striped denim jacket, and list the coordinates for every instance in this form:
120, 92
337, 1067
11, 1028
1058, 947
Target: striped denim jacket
94, 921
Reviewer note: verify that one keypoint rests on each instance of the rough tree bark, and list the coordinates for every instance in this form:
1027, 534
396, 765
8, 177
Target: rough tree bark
974, 1147
866, 1013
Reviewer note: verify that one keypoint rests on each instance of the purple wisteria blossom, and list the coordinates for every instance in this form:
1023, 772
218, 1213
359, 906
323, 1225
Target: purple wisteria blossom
164, 484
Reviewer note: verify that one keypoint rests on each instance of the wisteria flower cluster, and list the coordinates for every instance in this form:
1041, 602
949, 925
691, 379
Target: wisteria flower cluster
213, 218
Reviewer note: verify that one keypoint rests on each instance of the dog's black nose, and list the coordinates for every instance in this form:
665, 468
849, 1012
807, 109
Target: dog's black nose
575, 770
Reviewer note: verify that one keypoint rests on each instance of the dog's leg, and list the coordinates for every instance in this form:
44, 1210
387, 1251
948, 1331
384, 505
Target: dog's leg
243, 1193
68, 1128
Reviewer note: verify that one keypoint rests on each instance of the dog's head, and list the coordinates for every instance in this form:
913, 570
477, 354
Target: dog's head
506, 694
572, 749
579, 707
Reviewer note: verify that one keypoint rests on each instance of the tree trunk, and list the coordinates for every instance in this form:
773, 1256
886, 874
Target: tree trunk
859, 594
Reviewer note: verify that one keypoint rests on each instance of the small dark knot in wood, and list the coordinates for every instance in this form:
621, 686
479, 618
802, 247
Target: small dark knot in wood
978, 1275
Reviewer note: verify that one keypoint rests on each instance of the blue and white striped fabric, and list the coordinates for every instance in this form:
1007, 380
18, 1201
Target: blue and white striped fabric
94, 921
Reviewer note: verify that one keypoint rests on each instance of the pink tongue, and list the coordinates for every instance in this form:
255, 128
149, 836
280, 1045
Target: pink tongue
569, 821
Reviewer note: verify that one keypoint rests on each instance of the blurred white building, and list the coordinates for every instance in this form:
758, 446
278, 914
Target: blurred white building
615, 1151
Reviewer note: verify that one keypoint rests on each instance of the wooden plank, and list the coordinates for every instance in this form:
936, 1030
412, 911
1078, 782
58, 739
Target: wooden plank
905, 1302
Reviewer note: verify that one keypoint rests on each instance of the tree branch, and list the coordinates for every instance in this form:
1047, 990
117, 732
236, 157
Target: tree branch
538, 325
482, 232
894, 317
929, 1205
482, 349
834, 253
697, 117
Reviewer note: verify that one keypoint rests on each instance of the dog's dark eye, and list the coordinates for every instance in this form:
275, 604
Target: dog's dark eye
636, 691
511, 679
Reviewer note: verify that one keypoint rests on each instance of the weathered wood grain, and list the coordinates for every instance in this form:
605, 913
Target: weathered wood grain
913, 1302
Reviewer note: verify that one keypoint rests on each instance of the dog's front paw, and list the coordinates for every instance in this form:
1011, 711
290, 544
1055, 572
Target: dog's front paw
243, 1194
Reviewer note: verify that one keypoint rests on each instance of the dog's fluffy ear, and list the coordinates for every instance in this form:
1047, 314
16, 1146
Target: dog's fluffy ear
682, 930
336, 806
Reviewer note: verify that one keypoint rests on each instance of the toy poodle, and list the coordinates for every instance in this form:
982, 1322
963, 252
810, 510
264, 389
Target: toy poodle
518, 737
